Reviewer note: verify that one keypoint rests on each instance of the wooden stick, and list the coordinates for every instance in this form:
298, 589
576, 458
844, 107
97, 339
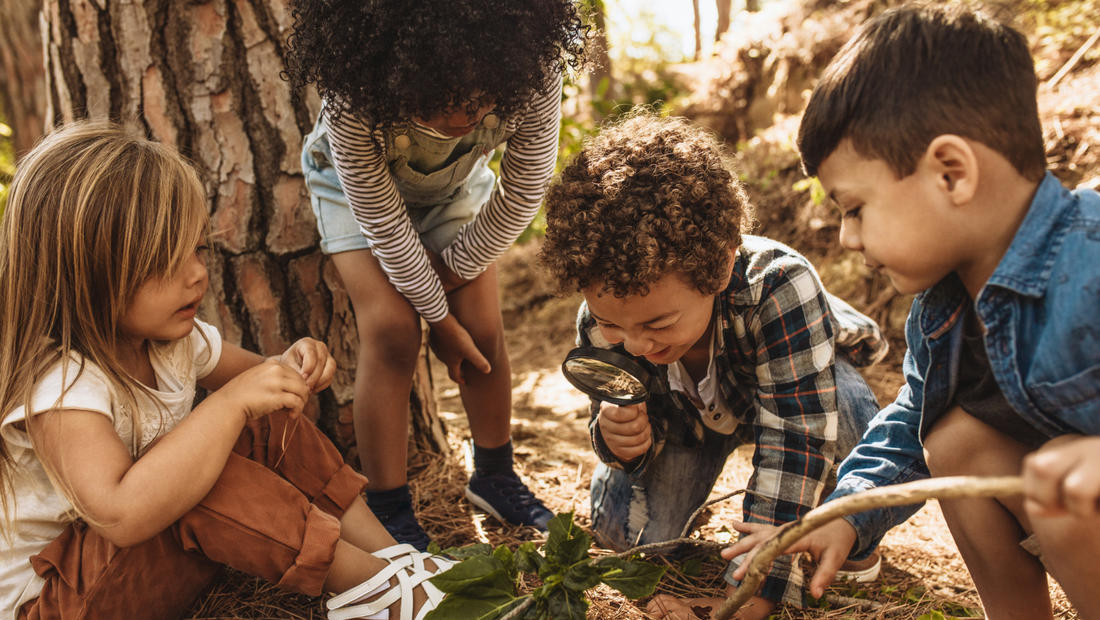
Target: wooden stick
896, 495
1073, 59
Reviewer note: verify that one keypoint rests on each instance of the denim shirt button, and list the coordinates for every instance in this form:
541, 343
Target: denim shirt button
490, 121
717, 416
402, 142
710, 408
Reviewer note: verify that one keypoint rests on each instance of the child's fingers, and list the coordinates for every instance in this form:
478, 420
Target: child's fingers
477, 360
828, 564
328, 371
1081, 493
1043, 477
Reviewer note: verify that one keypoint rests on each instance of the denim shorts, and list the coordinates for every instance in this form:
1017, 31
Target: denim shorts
437, 224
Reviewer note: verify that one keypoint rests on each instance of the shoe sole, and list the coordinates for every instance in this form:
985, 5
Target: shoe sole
478, 501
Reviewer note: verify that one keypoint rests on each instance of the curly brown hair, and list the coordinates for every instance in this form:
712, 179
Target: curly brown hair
646, 196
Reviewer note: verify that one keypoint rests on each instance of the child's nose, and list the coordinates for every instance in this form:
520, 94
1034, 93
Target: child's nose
637, 344
849, 236
196, 270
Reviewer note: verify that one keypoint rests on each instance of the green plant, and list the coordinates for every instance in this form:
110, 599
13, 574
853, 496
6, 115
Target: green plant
483, 585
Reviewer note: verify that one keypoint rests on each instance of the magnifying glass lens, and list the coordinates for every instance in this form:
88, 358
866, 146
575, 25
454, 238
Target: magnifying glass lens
607, 375
604, 378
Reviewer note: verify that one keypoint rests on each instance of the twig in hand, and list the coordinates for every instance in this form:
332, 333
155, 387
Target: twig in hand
896, 495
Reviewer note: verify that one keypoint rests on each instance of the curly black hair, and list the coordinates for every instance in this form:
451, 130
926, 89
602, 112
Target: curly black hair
386, 61
646, 197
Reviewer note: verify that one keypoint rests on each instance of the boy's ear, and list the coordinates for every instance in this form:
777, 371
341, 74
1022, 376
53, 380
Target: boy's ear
955, 164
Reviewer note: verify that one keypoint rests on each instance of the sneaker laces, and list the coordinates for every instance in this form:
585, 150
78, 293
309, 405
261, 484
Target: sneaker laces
517, 493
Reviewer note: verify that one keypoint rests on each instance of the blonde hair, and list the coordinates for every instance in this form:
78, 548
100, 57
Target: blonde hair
93, 213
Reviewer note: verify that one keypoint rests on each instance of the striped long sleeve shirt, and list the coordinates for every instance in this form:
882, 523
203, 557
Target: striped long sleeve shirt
525, 171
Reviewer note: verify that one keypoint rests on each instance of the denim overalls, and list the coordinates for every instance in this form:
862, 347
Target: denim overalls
443, 181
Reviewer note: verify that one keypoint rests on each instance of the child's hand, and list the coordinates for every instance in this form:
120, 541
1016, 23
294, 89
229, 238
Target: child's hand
453, 345
312, 359
266, 388
829, 545
625, 430
1063, 477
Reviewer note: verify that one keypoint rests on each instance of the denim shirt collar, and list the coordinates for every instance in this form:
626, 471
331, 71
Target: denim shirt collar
1027, 265
1025, 268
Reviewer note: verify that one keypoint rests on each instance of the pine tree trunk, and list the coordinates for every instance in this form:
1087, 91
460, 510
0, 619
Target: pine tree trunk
724, 8
204, 79
698, 31
22, 76
601, 82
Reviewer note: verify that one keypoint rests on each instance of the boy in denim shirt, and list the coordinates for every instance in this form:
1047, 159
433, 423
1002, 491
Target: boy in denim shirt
925, 133
743, 341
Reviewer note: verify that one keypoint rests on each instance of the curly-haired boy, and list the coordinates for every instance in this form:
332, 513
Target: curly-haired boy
646, 221
925, 132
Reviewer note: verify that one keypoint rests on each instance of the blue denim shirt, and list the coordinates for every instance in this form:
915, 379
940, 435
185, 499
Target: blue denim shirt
1040, 307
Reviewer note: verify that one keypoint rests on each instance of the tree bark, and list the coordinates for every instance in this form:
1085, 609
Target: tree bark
601, 83
724, 8
203, 78
22, 75
698, 30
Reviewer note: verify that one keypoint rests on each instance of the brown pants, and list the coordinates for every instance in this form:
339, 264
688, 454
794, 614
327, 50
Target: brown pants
279, 523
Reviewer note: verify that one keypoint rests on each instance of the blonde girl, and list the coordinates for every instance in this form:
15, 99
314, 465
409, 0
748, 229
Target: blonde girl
118, 499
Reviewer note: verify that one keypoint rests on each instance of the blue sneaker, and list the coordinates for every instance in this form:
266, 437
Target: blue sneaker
405, 529
504, 496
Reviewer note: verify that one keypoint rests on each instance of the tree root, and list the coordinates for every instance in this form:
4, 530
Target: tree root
896, 495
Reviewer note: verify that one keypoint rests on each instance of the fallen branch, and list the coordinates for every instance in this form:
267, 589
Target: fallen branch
1073, 60
897, 495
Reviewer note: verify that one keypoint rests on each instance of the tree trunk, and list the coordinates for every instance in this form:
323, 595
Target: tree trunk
724, 8
601, 83
204, 78
22, 76
752, 6
698, 31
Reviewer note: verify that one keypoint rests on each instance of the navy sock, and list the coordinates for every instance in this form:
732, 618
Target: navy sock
389, 502
493, 460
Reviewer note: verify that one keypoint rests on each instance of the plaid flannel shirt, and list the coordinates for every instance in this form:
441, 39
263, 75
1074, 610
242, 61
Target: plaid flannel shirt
779, 332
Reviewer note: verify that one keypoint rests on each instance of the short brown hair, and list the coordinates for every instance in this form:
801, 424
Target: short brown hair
645, 197
917, 72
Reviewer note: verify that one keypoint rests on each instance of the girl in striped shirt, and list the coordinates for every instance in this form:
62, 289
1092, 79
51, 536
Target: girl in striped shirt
417, 94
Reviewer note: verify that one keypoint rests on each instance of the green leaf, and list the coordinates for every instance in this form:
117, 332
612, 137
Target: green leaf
481, 570
504, 554
692, 567
583, 576
566, 543
469, 551
565, 604
528, 559
434, 549
460, 607
935, 615
636, 580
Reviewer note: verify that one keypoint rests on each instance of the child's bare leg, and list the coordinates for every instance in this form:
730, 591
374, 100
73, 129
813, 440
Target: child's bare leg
362, 529
1011, 582
487, 397
389, 343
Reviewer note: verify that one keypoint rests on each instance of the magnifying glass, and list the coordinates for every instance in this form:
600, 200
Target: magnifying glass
607, 375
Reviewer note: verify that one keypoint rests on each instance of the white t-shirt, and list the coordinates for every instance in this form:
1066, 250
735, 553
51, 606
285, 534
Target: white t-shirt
41, 512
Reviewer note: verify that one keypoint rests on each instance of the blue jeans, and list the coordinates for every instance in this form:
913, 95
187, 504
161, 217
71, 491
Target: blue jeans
628, 512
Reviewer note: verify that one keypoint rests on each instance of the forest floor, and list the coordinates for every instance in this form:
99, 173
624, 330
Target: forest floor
923, 573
